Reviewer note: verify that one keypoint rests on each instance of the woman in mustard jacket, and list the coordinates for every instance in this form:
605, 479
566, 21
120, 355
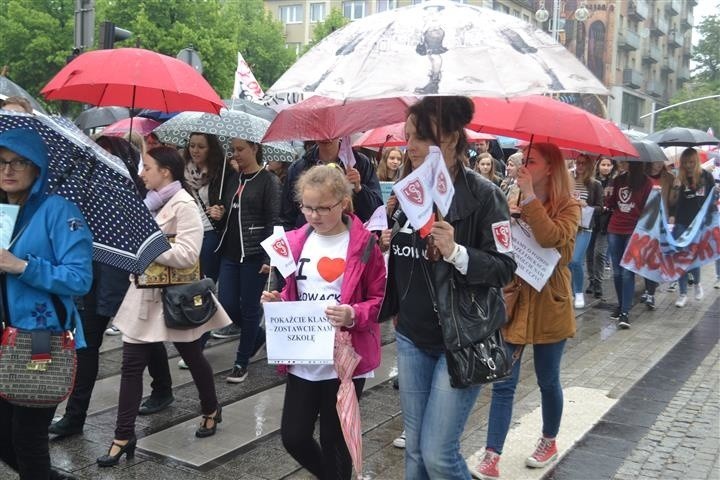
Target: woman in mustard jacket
543, 319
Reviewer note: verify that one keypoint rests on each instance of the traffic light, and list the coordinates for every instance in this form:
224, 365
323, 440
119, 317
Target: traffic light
109, 34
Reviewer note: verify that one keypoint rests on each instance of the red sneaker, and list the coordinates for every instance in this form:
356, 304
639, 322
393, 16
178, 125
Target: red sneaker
545, 452
487, 469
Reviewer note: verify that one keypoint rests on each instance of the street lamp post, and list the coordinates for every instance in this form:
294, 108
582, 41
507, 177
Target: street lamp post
542, 16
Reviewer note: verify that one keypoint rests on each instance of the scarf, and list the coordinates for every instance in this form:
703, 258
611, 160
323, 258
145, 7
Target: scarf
195, 177
156, 199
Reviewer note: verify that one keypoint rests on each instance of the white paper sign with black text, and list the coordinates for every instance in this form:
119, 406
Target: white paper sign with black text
298, 333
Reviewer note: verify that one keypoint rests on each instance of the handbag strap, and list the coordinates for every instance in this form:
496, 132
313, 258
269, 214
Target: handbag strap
212, 221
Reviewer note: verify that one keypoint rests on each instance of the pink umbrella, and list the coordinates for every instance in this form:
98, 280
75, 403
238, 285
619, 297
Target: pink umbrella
348, 408
322, 118
141, 125
394, 136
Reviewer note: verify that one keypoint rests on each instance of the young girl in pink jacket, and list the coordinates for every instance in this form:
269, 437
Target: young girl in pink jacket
337, 257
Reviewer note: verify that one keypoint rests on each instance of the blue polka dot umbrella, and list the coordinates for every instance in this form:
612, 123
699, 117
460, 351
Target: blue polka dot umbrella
228, 125
125, 234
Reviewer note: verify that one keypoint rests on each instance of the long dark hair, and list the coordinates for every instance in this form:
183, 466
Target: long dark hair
636, 175
126, 152
169, 158
216, 154
454, 113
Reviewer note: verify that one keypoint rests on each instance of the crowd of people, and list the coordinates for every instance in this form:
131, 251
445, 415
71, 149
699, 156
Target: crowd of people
219, 206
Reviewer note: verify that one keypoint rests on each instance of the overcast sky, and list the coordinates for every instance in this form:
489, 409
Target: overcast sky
704, 8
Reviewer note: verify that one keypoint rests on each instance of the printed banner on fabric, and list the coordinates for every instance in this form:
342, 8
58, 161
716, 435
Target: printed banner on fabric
654, 253
298, 333
246, 86
535, 264
414, 195
378, 222
277, 247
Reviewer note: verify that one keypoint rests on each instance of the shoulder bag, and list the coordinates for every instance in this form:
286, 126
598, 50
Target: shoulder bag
189, 306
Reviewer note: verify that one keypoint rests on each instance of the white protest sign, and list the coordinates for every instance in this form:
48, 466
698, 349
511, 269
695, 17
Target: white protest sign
442, 189
535, 264
587, 215
413, 193
378, 222
245, 85
346, 154
298, 333
8, 216
278, 249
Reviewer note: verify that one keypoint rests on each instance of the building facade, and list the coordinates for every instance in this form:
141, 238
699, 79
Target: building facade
639, 49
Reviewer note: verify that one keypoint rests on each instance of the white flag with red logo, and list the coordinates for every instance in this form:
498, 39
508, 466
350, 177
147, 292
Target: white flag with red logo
278, 248
414, 193
345, 155
246, 86
442, 186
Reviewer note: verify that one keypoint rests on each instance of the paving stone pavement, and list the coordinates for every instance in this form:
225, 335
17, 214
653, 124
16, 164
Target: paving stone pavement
599, 357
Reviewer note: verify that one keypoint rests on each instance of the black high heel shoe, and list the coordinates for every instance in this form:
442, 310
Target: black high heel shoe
204, 431
128, 449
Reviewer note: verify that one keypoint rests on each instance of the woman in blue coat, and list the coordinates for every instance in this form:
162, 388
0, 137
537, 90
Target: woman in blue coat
48, 263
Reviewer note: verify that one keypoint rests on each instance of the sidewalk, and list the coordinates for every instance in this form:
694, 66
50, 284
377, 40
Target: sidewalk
602, 367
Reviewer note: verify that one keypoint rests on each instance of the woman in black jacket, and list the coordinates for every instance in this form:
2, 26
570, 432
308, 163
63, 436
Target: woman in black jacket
466, 253
250, 209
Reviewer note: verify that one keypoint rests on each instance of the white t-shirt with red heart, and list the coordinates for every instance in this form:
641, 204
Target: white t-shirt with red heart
319, 277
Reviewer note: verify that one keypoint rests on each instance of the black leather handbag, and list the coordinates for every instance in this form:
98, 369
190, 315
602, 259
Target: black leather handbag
474, 347
190, 305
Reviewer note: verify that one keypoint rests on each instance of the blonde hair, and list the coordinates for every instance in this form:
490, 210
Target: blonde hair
137, 140
559, 180
492, 174
382, 171
686, 155
589, 169
329, 178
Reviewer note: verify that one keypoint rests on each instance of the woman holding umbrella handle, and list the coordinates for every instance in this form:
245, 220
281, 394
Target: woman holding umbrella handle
47, 264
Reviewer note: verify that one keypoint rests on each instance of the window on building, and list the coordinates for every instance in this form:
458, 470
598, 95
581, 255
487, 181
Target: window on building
291, 13
526, 17
317, 12
417, 2
631, 108
354, 9
385, 5
516, 13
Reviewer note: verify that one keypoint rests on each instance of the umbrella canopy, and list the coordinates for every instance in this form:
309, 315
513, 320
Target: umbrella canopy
394, 136
146, 80
252, 108
648, 151
634, 134
682, 137
345, 359
141, 125
437, 48
8, 88
125, 234
228, 125
322, 118
100, 117
543, 119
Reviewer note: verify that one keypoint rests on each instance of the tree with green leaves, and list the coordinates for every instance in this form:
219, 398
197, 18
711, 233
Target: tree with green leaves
702, 114
332, 22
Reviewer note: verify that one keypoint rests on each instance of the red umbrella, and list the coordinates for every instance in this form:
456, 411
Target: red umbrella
322, 118
141, 125
543, 119
394, 136
345, 359
133, 77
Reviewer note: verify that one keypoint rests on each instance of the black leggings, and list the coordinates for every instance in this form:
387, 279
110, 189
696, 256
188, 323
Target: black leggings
304, 400
135, 358
24, 440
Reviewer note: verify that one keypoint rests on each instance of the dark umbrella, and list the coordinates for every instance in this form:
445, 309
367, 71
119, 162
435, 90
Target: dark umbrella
682, 137
8, 88
648, 152
252, 108
125, 234
100, 117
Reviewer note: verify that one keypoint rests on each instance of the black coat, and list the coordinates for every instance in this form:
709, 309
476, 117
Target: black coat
476, 206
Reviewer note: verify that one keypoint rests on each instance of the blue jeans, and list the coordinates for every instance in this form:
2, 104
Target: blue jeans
434, 413
623, 278
683, 281
239, 288
209, 260
546, 359
582, 240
